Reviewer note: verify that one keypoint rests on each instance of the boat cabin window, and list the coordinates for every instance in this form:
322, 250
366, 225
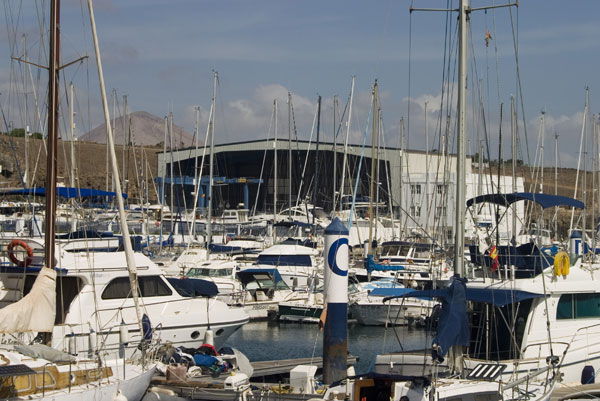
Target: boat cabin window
497, 333
578, 306
390, 250
206, 272
150, 286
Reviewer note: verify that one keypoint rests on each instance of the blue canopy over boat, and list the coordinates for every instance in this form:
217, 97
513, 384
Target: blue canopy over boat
371, 265
544, 200
495, 296
63, 192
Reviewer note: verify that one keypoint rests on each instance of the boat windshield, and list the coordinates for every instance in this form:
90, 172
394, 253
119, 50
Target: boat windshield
209, 272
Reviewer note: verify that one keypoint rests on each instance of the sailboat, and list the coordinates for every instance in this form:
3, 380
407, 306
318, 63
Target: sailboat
399, 378
100, 293
37, 371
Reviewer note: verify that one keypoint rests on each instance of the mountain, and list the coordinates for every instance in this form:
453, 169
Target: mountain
146, 129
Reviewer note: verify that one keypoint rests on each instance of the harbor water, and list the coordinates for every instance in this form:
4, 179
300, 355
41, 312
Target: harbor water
267, 340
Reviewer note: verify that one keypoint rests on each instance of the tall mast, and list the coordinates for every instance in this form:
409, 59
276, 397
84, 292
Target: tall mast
555, 181
316, 177
131, 266
513, 125
335, 103
459, 238
210, 169
290, 155
543, 128
426, 192
196, 178
51, 161
401, 172
275, 166
372, 185
171, 186
346, 143
26, 138
71, 129
124, 150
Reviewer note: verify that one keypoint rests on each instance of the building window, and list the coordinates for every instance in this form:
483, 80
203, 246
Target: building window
440, 211
415, 211
415, 189
440, 188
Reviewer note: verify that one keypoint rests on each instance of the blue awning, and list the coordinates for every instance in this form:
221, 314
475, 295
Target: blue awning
390, 292
494, 296
63, 192
544, 200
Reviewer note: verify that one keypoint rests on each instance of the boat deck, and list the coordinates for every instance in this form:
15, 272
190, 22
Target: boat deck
261, 369
580, 391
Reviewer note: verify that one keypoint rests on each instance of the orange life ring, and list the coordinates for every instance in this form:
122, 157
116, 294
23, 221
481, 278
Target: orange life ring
11, 254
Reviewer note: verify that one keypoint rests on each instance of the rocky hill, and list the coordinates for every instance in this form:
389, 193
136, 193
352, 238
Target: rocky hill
146, 129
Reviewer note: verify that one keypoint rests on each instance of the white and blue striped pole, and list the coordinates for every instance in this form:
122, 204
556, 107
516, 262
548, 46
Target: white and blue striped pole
335, 335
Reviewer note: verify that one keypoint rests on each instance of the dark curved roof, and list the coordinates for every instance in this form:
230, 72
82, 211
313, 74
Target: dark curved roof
544, 200
64, 192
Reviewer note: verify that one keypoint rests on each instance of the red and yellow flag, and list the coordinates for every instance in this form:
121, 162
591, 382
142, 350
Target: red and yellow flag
494, 256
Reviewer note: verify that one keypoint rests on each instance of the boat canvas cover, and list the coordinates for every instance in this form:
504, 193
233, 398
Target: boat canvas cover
528, 259
495, 296
453, 327
544, 200
36, 311
194, 287
374, 266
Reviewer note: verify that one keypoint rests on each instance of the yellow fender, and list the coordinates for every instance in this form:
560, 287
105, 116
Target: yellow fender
561, 264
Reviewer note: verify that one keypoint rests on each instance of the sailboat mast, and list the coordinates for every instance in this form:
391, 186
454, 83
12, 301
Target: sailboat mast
335, 104
461, 151
316, 177
124, 150
513, 119
543, 128
51, 161
275, 165
131, 266
290, 155
210, 168
26, 126
373, 157
555, 182
71, 129
346, 143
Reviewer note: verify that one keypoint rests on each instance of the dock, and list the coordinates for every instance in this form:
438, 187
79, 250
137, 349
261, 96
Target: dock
207, 387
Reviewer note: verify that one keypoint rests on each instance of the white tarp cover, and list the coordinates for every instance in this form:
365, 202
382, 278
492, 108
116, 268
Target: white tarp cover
36, 311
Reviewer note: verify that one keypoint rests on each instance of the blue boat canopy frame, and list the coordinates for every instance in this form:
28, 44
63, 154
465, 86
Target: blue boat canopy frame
544, 200
495, 296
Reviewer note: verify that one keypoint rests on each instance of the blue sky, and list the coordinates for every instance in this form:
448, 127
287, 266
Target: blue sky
161, 54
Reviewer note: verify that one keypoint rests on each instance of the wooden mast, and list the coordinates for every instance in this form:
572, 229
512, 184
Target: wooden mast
51, 161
